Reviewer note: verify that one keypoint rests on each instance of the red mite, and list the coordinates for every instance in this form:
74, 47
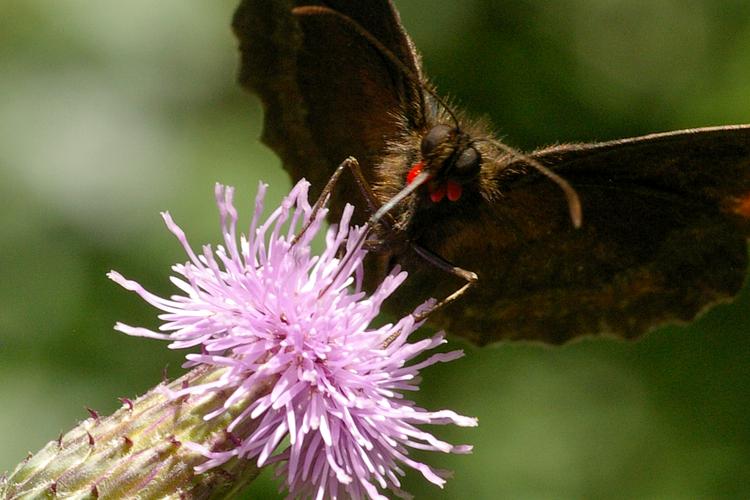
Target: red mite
437, 191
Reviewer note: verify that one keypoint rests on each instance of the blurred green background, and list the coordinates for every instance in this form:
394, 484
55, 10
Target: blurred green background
113, 111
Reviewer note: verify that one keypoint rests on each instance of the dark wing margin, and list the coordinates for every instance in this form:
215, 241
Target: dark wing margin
327, 93
666, 220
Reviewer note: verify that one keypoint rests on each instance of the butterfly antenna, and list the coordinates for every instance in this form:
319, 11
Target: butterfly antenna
315, 10
571, 195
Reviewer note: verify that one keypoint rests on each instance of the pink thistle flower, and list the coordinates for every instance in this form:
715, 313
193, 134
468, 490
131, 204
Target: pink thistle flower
270, 312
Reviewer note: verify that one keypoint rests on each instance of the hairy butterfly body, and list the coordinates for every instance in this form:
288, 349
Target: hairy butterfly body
665, 217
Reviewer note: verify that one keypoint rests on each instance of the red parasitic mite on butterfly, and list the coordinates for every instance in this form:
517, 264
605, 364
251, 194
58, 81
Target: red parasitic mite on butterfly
576, 239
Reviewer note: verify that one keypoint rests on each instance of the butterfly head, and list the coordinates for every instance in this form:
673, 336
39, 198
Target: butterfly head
450, 159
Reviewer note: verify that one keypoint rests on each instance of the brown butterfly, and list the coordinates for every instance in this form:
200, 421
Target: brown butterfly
665, 216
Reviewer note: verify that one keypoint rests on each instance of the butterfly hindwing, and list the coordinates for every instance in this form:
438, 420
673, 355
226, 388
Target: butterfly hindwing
664, 235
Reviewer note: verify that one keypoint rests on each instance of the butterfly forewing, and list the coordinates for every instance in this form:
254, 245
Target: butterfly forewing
327, 93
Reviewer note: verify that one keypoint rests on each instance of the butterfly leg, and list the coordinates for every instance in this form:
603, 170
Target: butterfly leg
440, 263
373, 205
324, 195
363, 184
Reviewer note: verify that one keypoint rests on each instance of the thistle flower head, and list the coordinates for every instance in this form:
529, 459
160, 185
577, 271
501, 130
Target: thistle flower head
269, 311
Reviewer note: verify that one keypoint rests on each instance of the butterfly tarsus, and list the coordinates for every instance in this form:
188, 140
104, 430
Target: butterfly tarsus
442, 264
439, 262
373, 205
323, 198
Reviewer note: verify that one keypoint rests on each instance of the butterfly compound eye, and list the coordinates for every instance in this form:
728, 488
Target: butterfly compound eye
467, 163
436, 136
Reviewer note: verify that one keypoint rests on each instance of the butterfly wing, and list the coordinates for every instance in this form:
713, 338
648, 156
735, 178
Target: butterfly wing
665, 216
327, 92
666, 219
